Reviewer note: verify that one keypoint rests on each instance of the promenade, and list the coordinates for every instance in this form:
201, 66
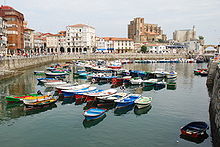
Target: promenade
14, 65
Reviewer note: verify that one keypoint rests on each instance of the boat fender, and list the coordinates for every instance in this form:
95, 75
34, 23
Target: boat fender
93, 80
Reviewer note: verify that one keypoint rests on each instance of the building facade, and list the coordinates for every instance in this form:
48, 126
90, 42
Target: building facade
80, 38
184, 35
15, 28
140, 31
39, 43
3, 36
119, 45
28, 39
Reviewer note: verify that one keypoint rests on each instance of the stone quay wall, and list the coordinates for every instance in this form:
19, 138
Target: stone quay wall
15, 65
213, 84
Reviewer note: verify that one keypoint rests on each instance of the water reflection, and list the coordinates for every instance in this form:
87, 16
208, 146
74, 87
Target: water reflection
17, 110
39, 110
124, 110
68, 101
141, 111
91, 123
197, 140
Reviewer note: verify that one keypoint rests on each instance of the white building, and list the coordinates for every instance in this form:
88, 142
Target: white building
3, 36
158, 49
119, 45
80, 38
184, 35
28, 38
193, 46
101, 45
38, 42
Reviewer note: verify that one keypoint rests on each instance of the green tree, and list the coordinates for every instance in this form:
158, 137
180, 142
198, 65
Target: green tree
201, 37
143, 49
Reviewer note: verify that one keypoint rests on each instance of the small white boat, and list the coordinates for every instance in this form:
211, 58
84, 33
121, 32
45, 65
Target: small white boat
54, 84
143, 102
83, 90
39, 72
150, 82
66, 86
171, 75
74, 87
159, 74
103, 93
136, 81
113, 97
55, 74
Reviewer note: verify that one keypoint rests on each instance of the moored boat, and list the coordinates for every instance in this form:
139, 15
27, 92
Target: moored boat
127, 101
54, 84
94, 113
194, 129
136, 81
41, 103
39, 72
55, 74
92, 96
70, 93
19, 98
150, 82
171, 75
143, 102
113, 97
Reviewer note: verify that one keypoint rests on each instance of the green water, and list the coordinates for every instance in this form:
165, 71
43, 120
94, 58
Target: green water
63, 124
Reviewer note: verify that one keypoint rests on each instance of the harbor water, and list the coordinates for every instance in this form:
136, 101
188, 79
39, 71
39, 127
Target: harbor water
63, 124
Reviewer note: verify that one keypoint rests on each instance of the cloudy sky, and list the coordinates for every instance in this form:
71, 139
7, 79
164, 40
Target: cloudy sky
111, 17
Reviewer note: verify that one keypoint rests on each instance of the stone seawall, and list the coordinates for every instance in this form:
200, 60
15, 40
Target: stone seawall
15, 65
213, 84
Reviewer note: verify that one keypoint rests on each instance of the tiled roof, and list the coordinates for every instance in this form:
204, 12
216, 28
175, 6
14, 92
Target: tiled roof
28, 29
117, 39
62, 32
6, 7
79, 25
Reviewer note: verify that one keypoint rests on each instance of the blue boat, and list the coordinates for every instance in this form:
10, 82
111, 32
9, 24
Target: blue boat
127, 101
94, 113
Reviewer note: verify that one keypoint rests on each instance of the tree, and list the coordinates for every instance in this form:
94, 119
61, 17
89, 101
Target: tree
201, 37
143, 49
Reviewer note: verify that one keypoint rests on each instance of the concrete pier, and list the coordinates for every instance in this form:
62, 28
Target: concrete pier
15, 65
213, 84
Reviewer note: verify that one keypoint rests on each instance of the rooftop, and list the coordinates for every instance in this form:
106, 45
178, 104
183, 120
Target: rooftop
6, 7
79, 25
117, 39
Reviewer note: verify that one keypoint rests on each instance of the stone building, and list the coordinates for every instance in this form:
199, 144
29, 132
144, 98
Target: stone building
185, 35
3, 36
140, 31
80, 38
15, 28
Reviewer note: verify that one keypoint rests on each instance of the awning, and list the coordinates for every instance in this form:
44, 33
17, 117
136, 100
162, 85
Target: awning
110, 49
101, 49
